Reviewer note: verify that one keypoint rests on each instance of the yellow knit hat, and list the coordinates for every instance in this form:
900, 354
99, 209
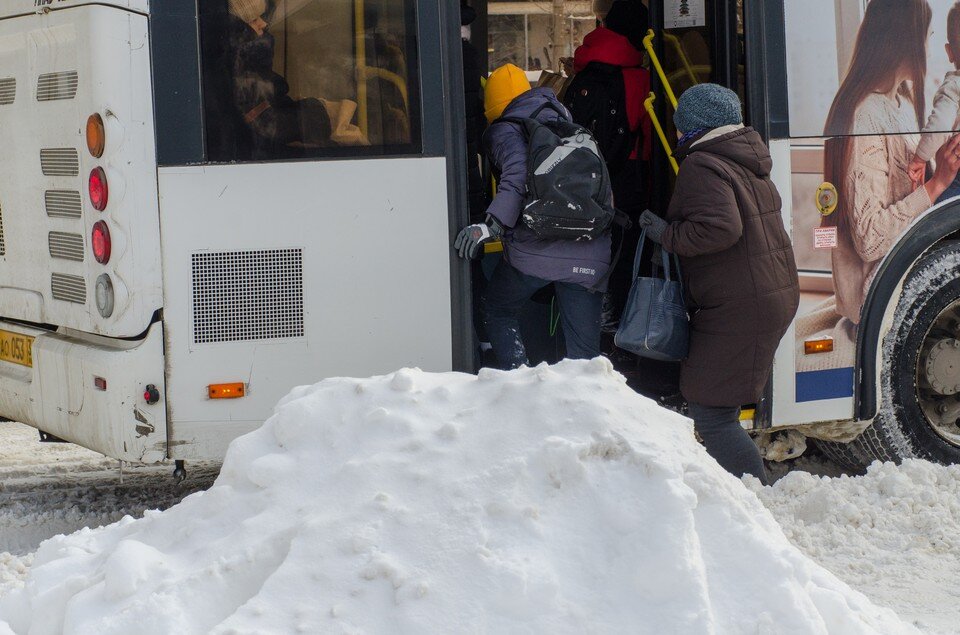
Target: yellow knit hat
503, 86
248, 10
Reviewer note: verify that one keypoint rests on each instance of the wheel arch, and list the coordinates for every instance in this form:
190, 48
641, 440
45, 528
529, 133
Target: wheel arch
940, 224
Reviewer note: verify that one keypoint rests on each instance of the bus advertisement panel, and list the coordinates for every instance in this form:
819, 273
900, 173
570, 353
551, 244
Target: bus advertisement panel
873, 98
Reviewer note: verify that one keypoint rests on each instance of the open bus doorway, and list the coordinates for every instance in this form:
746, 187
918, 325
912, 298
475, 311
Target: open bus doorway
696, 41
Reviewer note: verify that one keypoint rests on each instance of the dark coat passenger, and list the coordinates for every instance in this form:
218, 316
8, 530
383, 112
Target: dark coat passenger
737, 262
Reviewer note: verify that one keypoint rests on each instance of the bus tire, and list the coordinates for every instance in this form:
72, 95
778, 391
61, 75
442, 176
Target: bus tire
846, 455
920, 379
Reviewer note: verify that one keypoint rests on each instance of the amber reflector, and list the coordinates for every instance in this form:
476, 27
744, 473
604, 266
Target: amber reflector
96, 135
812, 347
226, 391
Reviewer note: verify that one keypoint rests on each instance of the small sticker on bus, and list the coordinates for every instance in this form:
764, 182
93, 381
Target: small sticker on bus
824, 237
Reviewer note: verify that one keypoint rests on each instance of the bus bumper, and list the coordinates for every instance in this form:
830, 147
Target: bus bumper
90, 391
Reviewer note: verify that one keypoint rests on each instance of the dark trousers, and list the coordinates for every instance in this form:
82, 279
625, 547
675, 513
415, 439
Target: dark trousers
505, 296
727, 441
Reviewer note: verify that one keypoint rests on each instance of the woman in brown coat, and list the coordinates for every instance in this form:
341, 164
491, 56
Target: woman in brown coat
737, 264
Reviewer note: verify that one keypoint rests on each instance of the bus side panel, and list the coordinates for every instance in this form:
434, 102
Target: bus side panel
789, 407
283, 274
848, 188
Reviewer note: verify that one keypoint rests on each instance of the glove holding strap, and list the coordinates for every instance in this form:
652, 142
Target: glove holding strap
654, 225
472, 237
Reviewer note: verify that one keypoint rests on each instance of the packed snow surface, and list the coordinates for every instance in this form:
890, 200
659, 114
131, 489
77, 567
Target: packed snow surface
893, 534
52, 488
552, 499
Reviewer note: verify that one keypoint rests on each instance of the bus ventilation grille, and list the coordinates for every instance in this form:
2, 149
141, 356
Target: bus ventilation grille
8, 91
59, 162
66, 246
56, 86
247, 295
68, 288
63, 203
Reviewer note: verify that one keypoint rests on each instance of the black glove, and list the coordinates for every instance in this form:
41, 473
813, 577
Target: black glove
472, 237
653, 225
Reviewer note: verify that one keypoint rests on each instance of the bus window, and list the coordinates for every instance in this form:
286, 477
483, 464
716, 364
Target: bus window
288, 79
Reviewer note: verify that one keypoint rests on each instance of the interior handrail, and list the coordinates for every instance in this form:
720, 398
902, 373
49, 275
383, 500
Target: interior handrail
699, 69
648, 45
682, 54
361, 63
373, 72
648, 105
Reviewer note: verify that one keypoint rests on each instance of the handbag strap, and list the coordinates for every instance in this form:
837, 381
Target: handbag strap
664, 256
665, 259
637, 258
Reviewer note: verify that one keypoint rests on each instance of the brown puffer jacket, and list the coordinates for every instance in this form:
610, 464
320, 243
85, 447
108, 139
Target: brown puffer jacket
738, 268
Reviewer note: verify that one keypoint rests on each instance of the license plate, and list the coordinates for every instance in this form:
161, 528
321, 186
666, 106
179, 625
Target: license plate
16, 348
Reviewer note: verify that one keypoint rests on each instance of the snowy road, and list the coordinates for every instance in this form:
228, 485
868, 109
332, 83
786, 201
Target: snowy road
52, 488
893, 535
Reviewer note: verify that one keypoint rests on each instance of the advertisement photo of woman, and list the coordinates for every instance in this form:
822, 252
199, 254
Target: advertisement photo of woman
870, 140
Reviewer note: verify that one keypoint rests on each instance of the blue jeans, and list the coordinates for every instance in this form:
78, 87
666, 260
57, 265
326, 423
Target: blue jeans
506, 294
950, 192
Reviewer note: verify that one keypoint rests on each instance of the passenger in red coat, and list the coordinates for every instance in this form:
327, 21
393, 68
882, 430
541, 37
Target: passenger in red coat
604, 45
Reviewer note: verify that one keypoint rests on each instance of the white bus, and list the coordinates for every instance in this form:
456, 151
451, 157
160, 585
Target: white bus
196, 217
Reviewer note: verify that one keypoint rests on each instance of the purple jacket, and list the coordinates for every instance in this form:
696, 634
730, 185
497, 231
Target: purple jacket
582, 262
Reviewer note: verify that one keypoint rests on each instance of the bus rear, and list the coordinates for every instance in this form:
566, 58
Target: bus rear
80, 282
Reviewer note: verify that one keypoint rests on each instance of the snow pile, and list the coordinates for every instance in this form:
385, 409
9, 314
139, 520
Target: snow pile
13, 570
893, 534
552, 499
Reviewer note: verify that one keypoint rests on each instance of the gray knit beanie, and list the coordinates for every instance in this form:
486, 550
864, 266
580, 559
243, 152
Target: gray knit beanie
707, 106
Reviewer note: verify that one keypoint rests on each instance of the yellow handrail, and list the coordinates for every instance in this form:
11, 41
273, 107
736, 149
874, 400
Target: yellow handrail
369, 72
648, 45
699, 69
361, 53
678, 46
648, 104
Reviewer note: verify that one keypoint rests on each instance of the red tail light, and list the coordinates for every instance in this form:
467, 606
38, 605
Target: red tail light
98, 189
101, 242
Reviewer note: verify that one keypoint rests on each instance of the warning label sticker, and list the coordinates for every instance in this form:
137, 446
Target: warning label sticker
824, 237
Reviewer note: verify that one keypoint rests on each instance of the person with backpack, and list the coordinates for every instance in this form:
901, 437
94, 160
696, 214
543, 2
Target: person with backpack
552, 211
606, 95
737, 265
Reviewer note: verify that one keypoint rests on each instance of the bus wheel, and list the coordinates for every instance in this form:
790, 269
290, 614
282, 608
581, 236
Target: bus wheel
846, 455
919, 413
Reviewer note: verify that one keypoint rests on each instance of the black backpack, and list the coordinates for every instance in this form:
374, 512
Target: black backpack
568, 187
597, 101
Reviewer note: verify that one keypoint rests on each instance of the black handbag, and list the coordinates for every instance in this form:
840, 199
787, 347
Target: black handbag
654, 323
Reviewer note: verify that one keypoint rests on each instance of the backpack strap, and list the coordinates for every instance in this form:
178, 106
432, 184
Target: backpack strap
552, 106
520, 121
